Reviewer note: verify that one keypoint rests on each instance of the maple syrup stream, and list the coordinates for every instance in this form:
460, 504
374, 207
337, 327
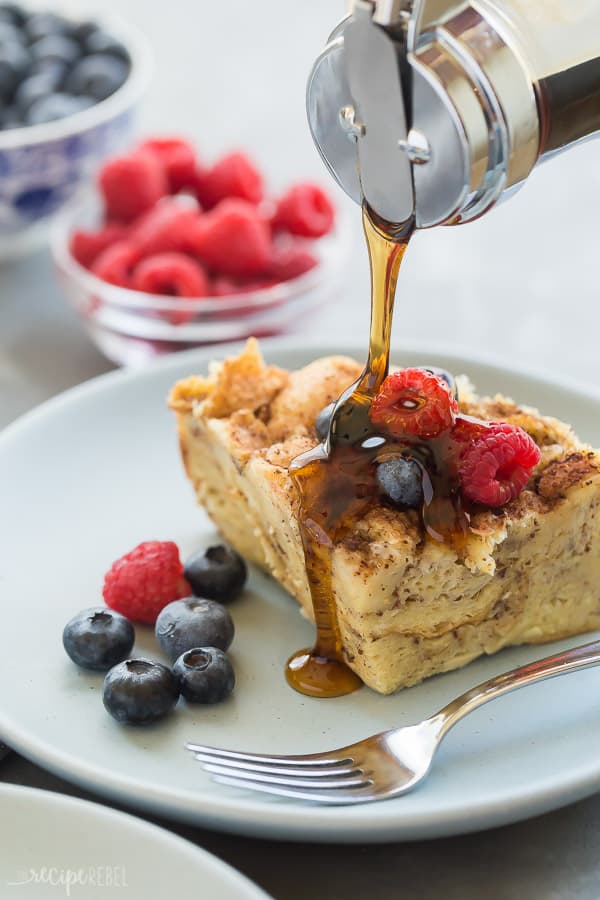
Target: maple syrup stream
336, 484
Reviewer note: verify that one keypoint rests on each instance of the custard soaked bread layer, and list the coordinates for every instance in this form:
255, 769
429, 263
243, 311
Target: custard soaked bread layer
407, 606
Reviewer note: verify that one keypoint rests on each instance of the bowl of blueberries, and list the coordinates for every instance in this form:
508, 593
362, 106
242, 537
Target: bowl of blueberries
69, 92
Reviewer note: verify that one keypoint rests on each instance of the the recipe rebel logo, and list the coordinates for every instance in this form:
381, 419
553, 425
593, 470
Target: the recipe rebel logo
72, 881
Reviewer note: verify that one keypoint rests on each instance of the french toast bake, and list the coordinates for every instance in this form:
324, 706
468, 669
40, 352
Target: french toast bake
407, 606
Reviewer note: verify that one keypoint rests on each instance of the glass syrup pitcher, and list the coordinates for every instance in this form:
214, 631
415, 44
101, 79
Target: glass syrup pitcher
439, 108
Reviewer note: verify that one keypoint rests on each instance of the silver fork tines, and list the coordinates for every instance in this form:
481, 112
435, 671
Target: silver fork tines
212, 763
383, 765
317, 782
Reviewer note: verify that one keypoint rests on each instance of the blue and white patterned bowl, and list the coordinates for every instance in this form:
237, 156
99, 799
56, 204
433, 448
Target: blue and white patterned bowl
45, 166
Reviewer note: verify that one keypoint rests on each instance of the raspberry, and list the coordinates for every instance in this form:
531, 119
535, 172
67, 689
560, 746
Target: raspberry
178, 159
141, 583
306, 210
496, 467
86, 246
414, 402
172, 274
223, 287
291, 262
467, 429
164, 228
234, 240
132, 184
115, 264
232, 176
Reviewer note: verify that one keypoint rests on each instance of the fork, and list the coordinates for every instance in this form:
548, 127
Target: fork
383, 765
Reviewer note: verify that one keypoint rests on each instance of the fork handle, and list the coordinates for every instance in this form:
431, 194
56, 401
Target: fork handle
582, 657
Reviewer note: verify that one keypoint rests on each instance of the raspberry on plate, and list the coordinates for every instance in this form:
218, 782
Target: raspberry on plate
86, 246
233, 239
132, 184
306, 210
141, 583
414, 402
167, 226
116, 263
234, 175
178, 158
496, 467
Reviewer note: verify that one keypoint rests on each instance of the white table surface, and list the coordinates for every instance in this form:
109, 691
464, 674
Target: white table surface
523, 283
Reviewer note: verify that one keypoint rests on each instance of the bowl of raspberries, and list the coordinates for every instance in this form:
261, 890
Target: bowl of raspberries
69, 90
172, 251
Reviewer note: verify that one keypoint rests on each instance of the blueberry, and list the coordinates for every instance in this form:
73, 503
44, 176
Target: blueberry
98, 76
205, 675
99, 41
10, 118
12, 14
219, 573
40, 25
55, 68
401, 480
193, 622
10, 34
32, 88
14, 61
56, 46
323, 421
82, 30
139, 691
98, 638
55, 106
445, 376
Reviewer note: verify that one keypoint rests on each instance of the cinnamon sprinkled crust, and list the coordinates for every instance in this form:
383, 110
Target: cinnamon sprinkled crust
563, 474
407, 606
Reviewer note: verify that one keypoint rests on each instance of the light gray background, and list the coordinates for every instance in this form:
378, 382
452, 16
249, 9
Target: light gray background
522, 283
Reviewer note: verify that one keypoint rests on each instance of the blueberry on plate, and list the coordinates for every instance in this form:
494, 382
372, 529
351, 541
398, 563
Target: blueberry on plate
55, 106
205, 675
98, 638
56, 46
323, 421
218, 573
140, 691
401, 480
193, 622
97, 76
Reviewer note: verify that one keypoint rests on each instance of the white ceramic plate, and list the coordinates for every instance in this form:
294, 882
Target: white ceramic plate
92, 473
98, 852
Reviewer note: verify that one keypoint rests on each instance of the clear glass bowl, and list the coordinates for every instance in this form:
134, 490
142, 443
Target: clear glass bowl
131, 327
